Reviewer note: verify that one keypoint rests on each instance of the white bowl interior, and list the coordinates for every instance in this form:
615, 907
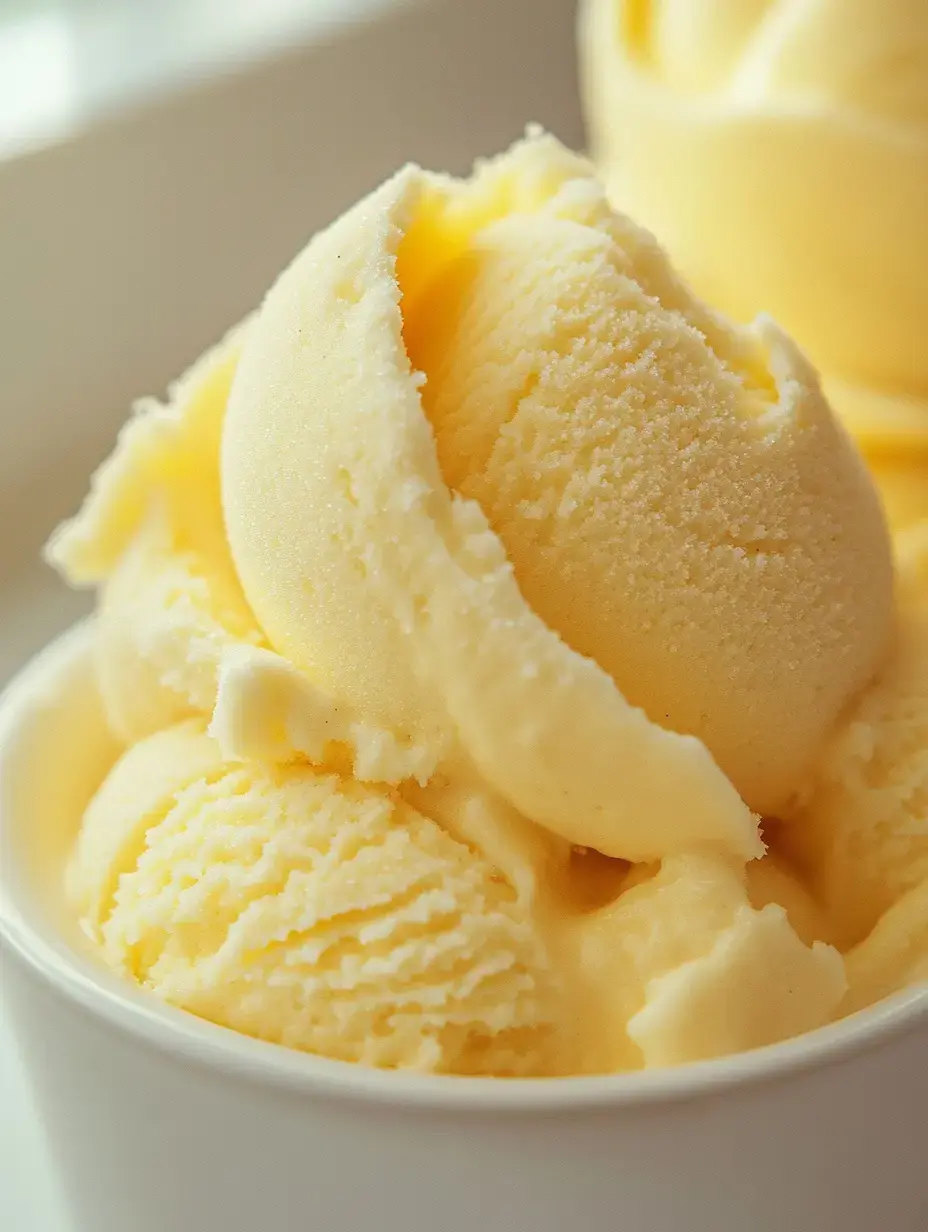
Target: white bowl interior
54, 758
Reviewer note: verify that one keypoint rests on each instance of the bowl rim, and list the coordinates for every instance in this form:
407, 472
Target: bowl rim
76, 977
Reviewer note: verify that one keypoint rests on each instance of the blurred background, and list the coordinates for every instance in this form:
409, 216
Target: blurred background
160, 161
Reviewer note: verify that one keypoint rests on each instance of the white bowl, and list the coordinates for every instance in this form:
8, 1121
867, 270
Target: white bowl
163, 1123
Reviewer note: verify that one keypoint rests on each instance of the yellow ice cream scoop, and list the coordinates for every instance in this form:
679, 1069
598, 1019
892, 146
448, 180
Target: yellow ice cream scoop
306, 909
459, 613
150, 536
499, 485
296, 905
779, 148
863, 832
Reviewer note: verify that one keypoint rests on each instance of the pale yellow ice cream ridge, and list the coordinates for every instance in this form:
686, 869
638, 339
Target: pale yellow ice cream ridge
312, 911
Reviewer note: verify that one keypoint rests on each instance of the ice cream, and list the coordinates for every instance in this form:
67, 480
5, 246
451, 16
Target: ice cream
780, 150
310, 910
686, 968
535, 485
460, 614
151, 535
862, 833
300, 906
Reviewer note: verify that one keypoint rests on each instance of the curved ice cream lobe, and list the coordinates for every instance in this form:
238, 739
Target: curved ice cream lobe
310, 910
494, 480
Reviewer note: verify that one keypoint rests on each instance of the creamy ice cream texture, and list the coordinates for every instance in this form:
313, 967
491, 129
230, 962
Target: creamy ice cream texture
862, 833
461, 612
780, 149
305, 908
540, 482
152, 535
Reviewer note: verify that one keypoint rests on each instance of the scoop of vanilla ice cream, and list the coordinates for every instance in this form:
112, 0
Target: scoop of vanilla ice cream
780, 149
494, 477
863, 832
686, 969
306, 909
150, 536
484, 538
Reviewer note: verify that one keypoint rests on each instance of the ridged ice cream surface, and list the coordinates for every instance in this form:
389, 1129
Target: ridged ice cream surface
299, 906
312, 911
478, 620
